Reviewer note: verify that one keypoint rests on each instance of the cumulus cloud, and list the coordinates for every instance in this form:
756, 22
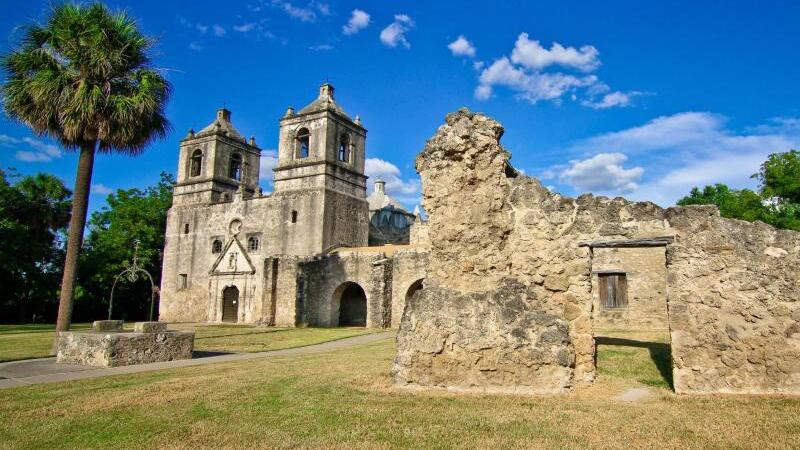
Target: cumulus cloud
30, 150
462, 47
358, 21
101, 189
530, 53
611, 100
525, 73
530, 86
395, 33
218, 30
269, 160
690, 149
407, 190
602, 173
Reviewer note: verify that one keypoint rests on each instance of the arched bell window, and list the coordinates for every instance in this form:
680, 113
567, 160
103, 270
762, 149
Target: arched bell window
303, 143
236, 167
196, 163
216, 246
344, 148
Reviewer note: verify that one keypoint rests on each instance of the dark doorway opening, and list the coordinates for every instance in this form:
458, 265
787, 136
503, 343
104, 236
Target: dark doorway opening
230, 304
353, 307
415, 286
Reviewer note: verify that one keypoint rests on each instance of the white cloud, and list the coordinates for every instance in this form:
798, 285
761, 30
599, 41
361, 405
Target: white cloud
35, 150
358, 21
611, 100
218, 30
530, 54
245, 27
321, 47
602, 173
269, 160
462, 47
395, 33
531, 86
406, 190
302, 14
101, 189
693, 149
524, 73
196, 47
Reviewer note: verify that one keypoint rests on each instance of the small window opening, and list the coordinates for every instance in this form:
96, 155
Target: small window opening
236, 167
216, 246
196, 164
186, 228
294, 216
344, 147
303, 142
613, 289
183, 281
252, 244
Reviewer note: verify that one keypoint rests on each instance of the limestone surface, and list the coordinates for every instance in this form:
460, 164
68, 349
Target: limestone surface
732, 287
110, 349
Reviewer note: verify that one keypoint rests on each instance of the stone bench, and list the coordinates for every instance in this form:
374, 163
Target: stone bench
107, 345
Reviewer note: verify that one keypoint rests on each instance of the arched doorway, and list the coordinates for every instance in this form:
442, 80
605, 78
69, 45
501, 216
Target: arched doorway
352, 306
415, 286
230, 304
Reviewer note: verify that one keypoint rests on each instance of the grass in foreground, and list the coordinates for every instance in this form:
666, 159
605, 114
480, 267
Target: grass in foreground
344, 399
35, 341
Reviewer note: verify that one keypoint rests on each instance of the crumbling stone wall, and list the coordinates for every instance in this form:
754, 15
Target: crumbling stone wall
493, 231
734, 304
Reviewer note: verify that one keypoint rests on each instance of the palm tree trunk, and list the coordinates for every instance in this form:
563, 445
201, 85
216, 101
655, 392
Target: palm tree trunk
77, 222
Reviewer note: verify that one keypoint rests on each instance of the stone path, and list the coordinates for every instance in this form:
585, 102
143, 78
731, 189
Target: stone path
634, 395
47, 370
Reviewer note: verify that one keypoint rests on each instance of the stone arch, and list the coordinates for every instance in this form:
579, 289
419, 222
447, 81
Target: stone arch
412, 288
351, 300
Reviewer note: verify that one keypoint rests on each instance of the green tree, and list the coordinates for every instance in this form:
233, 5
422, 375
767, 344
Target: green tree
741, 204
130, 215
779, 177
34, 211
84, 78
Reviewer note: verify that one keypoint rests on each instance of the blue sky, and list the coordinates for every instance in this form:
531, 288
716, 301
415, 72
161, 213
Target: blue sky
640, 99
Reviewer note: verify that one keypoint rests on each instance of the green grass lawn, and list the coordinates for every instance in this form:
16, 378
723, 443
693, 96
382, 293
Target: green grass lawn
35, 341
344, 399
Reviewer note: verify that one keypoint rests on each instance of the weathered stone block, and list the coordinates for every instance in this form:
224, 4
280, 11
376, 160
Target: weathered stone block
107, 325
111, 349
150, 327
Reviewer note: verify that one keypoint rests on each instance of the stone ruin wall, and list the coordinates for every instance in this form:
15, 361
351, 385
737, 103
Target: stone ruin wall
507, 304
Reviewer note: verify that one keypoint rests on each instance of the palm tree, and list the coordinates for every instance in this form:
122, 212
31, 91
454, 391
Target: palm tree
84, 79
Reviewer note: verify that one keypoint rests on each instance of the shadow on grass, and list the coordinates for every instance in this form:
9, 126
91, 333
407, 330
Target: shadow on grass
659, 352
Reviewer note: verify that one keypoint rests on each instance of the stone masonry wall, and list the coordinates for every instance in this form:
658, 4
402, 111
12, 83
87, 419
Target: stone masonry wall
493, 230
645, 269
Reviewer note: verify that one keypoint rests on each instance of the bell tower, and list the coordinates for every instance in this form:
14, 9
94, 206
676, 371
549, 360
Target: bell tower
321, 146
215, 163
321, 155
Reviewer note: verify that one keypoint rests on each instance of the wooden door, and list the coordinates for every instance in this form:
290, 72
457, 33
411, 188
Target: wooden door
230, 304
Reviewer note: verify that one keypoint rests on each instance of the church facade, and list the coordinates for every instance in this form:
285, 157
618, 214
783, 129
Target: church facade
300, 255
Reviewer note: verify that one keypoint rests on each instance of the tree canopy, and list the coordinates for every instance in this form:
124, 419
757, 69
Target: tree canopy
777, 202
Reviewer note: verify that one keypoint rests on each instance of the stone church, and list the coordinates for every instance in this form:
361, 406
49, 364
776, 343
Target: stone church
316, 251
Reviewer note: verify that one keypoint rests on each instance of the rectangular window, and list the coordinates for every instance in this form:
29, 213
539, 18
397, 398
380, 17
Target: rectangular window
183, 281
613, 289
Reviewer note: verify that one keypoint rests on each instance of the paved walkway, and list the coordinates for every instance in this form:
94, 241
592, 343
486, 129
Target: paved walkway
47, 370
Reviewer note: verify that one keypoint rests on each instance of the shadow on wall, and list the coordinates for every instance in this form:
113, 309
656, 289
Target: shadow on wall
660, 354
